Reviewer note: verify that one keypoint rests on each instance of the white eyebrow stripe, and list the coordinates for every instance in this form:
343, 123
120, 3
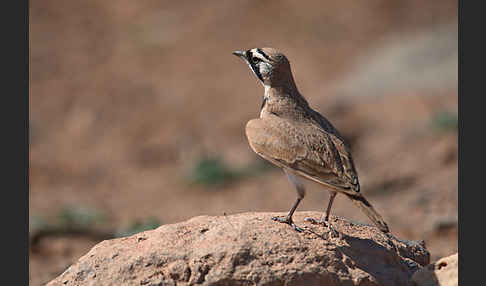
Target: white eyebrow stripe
259, 54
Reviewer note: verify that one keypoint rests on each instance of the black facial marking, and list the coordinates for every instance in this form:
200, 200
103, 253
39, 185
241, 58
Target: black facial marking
254, 67
263, 54
263, 102
255, 60
248, 54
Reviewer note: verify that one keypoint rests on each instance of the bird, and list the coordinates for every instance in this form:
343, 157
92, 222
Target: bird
299, 140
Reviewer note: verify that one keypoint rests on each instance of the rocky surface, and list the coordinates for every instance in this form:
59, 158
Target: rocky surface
443, 272
249, 249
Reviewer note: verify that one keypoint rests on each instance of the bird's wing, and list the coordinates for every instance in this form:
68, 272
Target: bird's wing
305, 148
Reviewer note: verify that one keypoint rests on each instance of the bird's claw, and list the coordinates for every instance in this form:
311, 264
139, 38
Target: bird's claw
288, 221
332, 231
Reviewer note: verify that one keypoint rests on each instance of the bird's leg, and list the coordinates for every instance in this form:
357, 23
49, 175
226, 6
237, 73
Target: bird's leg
328, 211
288, 218
300, 195
325, 217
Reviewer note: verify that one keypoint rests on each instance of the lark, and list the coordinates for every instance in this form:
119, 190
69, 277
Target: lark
296, 138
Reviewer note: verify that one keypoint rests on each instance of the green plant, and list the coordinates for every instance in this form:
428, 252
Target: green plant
445, 121
80, 216
71, 220
138, 226
212, 172
37, 223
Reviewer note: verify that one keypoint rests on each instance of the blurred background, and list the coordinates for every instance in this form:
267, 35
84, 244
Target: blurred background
138, 109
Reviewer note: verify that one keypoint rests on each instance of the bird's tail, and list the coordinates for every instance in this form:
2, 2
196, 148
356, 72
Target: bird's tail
368, 209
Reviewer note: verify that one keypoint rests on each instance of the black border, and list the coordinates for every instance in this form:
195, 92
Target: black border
15, 124
460, 130
471, 206
15, 175
26, 138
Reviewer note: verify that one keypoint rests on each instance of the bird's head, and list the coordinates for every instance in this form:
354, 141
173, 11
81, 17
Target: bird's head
270, 66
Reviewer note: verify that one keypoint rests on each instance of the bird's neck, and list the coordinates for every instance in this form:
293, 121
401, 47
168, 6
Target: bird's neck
282, 85
282, 99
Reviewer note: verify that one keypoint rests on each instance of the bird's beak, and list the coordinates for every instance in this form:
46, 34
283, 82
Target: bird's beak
239, 54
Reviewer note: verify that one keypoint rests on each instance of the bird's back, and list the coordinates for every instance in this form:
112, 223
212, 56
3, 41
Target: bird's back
325, 149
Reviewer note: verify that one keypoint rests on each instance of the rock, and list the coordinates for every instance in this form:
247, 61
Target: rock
444, 272
250, 249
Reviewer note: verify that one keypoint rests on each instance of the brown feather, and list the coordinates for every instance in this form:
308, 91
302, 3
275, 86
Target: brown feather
293, 136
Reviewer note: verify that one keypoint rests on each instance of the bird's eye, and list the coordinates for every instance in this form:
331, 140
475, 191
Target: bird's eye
255, 60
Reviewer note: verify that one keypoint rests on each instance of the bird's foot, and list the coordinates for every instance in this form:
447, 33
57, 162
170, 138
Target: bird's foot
332, 231
288, 220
